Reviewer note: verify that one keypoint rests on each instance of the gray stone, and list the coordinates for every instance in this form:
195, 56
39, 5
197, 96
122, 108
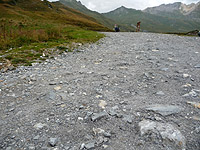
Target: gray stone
63, 96
197, 129
127, 118
197, 66
164, 69
36, 137
11, 68
112, 112
39, 126
165, 130
100, 140
67, 147
107, 134
115, 107
90, 145
147, 75
88, 115
164, 110
98, 131
105, 140
82, 146
11, 109
31, 147
53, 141
97, 116
123, 103
9, 148
192, 93
160, 93
52, 83
33, 79
52, 96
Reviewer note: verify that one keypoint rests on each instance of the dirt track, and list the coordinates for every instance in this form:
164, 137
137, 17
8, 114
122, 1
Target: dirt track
133, 91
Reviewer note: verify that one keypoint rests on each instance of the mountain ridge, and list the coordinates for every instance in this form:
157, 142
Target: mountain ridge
172, 21
108, 22
191, 11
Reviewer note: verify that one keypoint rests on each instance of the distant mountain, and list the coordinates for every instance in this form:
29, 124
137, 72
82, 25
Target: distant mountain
177, 10
176, 17
158, 19
108, 22
41, 11
191, 11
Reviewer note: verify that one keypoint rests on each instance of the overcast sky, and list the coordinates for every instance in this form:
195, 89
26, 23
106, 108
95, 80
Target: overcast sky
108, 5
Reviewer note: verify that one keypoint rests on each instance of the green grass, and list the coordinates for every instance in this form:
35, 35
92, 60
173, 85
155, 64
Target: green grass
33, 43
31, 32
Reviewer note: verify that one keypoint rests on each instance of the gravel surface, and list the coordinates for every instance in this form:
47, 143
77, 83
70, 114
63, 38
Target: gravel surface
128, 91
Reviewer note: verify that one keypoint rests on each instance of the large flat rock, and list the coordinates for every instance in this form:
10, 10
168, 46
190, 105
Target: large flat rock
164, 110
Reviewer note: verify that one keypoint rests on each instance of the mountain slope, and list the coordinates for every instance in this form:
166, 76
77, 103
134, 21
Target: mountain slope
152, 22
78, 6
108, 22
177, 10
194, 12
38, 10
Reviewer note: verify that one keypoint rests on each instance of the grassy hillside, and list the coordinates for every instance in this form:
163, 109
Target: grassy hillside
152, 23
36, 10
29, 27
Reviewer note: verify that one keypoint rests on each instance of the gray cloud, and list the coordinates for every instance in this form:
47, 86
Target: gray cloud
108, 5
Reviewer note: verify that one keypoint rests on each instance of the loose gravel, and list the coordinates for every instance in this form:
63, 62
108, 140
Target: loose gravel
133, 91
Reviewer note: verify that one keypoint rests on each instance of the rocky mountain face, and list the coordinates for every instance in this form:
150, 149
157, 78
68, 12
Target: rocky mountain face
178, 10
169, 8
187, 9
194, 12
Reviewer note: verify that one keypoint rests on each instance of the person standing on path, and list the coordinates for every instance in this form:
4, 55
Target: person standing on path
138, 26
116, 28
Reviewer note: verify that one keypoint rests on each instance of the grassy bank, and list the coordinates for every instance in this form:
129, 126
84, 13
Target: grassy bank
23, 43
33, 30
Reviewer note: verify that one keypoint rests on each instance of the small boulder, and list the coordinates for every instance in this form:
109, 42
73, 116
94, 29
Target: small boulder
167, 132
97, 116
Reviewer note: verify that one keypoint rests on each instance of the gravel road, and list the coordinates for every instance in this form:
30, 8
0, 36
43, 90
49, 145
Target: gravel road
128, 91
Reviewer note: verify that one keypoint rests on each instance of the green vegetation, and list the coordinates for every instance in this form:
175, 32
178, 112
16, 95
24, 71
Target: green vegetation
25, 45
33, 30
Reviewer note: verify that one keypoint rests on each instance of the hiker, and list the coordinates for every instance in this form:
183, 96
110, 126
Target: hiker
138, 26
199, 34
116, 28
